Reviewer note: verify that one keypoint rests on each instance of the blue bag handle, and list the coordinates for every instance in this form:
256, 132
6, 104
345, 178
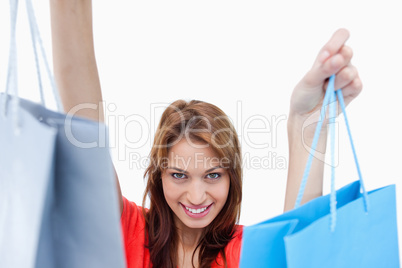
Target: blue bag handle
330, 99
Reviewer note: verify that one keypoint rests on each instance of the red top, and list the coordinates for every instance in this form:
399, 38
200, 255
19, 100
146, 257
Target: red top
137, 256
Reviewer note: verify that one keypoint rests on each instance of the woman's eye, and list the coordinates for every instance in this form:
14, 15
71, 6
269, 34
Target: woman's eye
213, 175
178, 175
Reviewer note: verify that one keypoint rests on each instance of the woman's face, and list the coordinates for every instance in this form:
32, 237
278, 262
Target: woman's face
194, 184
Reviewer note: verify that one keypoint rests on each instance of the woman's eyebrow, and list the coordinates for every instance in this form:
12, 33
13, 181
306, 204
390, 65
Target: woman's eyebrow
209, 170
183, 171
178, 169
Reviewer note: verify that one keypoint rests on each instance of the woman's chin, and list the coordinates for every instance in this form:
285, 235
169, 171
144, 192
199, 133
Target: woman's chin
192, 223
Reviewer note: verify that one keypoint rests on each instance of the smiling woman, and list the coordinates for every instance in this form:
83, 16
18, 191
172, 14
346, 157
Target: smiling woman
195, 191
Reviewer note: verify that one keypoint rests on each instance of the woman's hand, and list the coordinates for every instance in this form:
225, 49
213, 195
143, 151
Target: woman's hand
334, 58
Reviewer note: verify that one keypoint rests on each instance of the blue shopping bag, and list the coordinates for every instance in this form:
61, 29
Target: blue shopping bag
347, 228
58, 196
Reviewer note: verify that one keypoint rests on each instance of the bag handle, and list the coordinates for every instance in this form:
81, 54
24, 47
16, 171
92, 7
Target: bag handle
330, 99
12, 78
12, 73
36, 39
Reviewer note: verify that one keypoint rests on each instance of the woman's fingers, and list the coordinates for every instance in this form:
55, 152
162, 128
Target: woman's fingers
346, 52
344, 77
349, 81
337, 62
333, 57
352, 90
333, 46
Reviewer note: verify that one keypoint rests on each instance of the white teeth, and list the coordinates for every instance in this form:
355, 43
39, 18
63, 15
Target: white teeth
196, 211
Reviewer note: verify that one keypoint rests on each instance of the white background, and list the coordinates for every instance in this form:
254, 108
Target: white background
238, 53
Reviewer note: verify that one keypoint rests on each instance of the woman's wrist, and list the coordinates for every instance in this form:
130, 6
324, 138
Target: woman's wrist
301, 128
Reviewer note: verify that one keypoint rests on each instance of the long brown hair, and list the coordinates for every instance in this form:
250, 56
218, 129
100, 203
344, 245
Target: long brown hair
177, 120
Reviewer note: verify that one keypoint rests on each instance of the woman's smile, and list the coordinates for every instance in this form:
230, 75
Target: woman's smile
196, 212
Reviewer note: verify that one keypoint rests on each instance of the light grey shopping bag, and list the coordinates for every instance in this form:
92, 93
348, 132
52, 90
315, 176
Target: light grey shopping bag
26, 177
58, 196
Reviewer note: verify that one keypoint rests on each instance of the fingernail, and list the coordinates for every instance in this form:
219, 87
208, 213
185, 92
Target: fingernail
324, 55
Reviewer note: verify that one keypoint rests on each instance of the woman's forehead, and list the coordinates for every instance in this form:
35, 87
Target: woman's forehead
197, 155
191, 148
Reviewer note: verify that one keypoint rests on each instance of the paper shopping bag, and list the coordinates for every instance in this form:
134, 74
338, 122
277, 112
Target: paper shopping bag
26, 182
58, 196
347, 228
69, 209
302, 238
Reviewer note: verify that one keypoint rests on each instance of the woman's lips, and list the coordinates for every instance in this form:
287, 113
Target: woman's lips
196, 207
195, 214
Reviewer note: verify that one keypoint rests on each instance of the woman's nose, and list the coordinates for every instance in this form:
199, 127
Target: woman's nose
196, 193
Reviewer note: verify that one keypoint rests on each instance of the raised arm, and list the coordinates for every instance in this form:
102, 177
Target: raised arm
74, 61
334, 58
